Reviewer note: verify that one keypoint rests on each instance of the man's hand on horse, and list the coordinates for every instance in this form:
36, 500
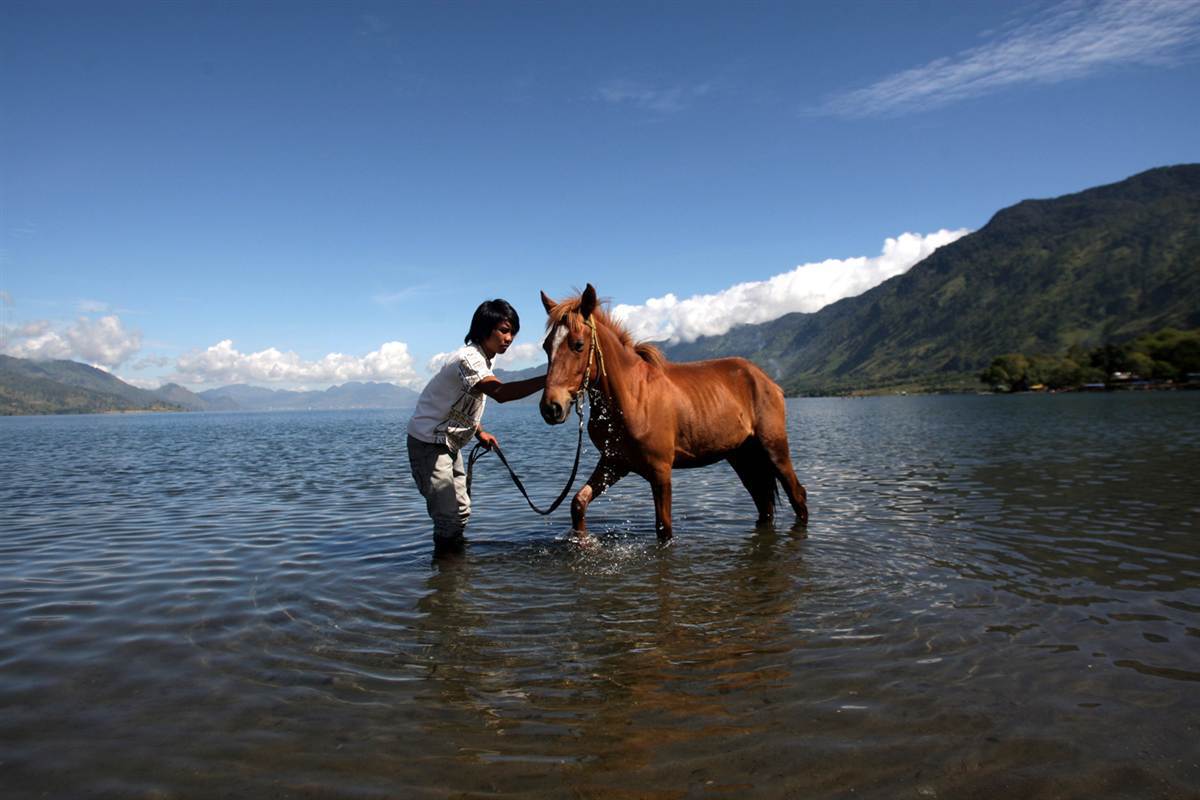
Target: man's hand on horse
486, 439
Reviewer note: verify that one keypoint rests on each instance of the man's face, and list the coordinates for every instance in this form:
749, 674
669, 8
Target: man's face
499, 340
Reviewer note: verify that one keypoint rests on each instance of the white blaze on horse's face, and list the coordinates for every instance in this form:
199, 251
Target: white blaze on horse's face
559, 334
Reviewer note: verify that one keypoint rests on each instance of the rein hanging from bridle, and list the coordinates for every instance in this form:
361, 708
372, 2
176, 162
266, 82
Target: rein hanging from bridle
479, 451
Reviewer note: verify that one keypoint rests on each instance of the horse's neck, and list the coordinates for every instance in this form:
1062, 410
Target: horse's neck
622, 369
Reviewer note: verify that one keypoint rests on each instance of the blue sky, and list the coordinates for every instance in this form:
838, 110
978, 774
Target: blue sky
299, 194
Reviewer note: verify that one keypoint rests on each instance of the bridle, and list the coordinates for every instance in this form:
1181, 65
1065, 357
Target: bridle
595, 356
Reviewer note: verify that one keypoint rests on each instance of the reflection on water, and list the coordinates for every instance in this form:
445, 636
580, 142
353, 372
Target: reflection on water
993, 594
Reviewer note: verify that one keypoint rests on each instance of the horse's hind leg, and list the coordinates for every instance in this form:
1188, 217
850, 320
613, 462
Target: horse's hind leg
777, 451
775, 444
770, 429
757, 474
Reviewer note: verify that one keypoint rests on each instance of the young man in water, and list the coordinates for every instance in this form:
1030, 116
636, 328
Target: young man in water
449, 412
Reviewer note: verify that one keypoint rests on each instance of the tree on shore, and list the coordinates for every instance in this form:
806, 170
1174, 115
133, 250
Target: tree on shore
1166, 355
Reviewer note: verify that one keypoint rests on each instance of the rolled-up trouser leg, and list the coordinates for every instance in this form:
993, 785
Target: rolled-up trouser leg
442, 480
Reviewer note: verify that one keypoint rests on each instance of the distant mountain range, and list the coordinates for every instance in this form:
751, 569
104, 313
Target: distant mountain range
68, 387
1104, 265
347, 396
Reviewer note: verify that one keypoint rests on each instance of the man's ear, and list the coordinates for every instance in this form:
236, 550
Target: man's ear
548, 303
587, 302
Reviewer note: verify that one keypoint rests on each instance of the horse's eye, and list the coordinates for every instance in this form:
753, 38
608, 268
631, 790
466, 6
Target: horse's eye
577, 346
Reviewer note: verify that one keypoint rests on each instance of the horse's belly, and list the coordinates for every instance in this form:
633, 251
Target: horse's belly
701, 445
702, 451
689, 461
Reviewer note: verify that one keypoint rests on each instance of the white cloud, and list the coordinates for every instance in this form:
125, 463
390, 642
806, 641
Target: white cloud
1069, 41
806, 288
519, 356
437, 361
36, 340
391, 298
222, 364
152, 362
143, 383
103, 342
660, 100
30, 330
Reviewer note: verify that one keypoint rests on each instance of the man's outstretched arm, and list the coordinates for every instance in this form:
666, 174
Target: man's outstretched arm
502, 392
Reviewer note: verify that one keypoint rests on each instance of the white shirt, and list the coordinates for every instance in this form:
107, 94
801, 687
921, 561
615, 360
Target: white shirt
448, 412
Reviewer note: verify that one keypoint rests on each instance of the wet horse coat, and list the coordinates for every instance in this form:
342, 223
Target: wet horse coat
650, 416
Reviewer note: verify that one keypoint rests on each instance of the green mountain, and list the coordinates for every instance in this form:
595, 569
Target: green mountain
1104, 265
68, 387
174, 393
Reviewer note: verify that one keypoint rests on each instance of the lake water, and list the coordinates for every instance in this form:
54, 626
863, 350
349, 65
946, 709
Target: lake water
995, 597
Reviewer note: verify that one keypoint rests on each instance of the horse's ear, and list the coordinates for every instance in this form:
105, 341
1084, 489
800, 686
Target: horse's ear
587, 301
548, 303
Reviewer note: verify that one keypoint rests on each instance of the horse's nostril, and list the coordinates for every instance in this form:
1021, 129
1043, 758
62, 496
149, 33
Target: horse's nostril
551, 411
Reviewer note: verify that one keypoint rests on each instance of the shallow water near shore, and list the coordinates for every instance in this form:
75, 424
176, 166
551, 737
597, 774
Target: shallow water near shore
993, 595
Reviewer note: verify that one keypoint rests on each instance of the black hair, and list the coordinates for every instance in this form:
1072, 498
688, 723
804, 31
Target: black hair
489, 315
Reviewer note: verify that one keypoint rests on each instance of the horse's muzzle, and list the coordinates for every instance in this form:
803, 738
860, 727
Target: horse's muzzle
553, 412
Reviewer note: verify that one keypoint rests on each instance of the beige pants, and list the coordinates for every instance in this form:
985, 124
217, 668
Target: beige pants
442, 481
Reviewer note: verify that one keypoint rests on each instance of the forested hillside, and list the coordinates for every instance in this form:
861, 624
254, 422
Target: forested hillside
1104, 265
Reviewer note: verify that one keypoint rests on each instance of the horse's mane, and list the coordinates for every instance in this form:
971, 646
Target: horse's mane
646, 351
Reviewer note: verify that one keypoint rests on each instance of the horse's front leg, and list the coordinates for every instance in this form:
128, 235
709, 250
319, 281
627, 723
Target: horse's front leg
660, 484
604, 475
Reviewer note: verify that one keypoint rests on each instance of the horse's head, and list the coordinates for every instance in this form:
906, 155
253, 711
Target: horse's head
569, 348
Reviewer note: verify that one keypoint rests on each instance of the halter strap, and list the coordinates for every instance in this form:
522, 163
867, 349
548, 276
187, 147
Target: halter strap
594, 351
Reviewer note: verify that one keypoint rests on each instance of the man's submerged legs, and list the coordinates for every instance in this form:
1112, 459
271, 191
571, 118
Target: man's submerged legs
441, 478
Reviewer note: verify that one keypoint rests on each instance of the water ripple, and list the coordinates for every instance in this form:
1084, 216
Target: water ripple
197, 605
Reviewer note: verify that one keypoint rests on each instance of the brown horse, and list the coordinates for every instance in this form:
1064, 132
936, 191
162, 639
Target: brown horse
650, 415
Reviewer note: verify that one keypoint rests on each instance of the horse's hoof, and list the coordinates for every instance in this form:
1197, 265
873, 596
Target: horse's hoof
584, 541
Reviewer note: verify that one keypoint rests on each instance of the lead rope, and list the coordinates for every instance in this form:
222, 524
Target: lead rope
479, 451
